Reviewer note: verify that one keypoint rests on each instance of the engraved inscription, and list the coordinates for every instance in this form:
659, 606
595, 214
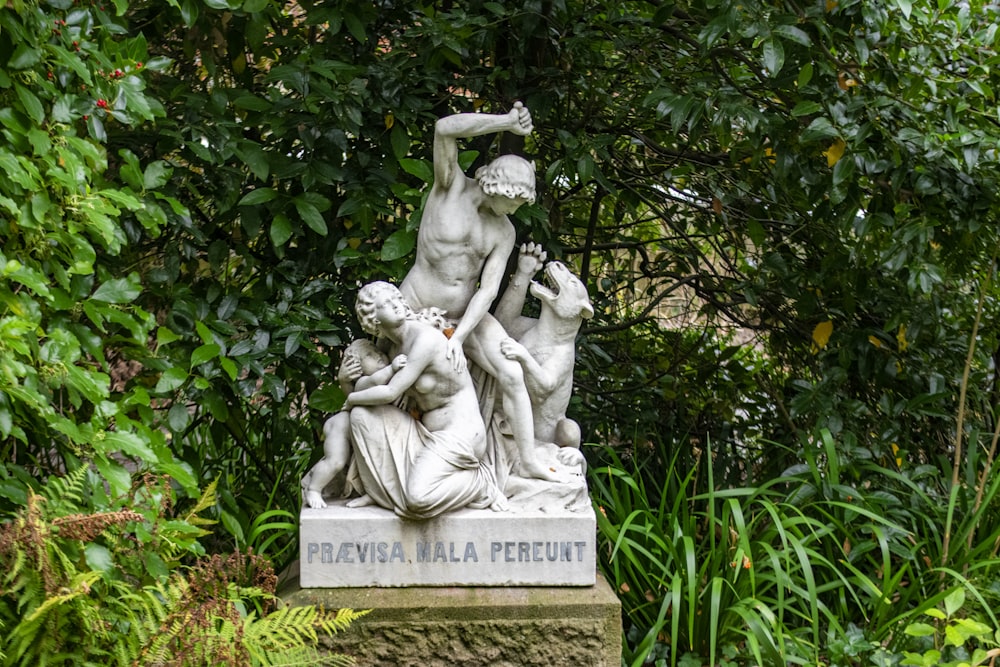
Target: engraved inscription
445, 552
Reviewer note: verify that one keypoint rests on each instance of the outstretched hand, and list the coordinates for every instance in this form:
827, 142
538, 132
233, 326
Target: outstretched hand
531, 259
520, 120
454, 354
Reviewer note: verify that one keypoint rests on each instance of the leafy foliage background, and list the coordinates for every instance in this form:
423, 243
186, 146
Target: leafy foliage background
785, 213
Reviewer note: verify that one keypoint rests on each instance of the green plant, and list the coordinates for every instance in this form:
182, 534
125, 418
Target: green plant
702, 569
95, 579
786, 567
956, 640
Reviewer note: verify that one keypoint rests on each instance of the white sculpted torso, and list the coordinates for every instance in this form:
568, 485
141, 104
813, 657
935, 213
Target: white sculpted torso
456, 236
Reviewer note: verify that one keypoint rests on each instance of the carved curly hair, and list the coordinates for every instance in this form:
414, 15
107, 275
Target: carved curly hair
368, 296
509, 175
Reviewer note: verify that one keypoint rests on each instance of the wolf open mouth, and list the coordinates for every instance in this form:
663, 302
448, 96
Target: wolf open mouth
548, 285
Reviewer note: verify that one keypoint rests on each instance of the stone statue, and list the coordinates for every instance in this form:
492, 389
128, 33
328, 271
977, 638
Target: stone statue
463, 244
457, 449
365, 365
546, 347
419, 468
429, 436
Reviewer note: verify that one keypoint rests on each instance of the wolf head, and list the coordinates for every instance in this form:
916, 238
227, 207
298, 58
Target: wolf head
563, 293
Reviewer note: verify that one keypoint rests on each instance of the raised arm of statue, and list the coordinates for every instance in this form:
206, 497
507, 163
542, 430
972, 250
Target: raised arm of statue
530, 260
465, 125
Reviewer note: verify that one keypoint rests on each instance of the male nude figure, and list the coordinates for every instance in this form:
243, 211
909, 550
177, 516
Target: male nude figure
464, 240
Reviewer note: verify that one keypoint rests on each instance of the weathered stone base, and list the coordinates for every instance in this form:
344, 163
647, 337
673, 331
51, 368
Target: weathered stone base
474, 627
371, 546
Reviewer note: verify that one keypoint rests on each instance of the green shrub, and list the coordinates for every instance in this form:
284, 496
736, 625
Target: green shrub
93, 578
951, 639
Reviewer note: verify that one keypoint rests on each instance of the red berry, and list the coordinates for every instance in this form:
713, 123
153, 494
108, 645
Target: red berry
49, 75
138, 65
86, 117
102, 104
119, 74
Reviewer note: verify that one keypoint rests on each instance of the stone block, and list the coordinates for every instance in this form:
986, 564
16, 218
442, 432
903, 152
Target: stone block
371, 546
475, 626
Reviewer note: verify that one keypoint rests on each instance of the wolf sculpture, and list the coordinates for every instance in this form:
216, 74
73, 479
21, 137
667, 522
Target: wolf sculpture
546, 347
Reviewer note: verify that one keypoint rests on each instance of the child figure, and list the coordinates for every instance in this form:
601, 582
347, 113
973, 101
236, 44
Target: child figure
362, 366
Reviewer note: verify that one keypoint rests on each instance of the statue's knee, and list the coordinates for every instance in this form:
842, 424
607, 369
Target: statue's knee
510, 375
420, 504
418, 498
568, 433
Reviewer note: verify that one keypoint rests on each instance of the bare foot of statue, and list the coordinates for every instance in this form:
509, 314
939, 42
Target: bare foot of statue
314, 499
362, 501
500, 503
539, 471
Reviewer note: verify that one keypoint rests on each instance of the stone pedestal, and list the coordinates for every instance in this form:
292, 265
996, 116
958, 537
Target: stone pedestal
475, 626
371, 546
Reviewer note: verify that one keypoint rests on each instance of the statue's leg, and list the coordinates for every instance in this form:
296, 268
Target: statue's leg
483, 347
336, 455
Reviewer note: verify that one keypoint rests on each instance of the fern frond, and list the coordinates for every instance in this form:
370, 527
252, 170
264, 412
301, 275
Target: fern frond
286, 636
30, 591
32, 632
341, 619
307, 657
15, 568
81, 586
206, 501
159, 621
67, 490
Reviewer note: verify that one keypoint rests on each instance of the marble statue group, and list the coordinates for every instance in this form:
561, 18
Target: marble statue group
455, 406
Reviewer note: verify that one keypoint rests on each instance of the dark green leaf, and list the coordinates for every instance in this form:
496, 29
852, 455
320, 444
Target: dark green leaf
311, 216
156, 175
819, 128
774, 56
792, 33
31, 104
355, 27
24, 56
400, 141
327, 399
204, 353
399, 244
281, 230
258, 196
422, 169
118, 290
178, 417
806, 108
171, 380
